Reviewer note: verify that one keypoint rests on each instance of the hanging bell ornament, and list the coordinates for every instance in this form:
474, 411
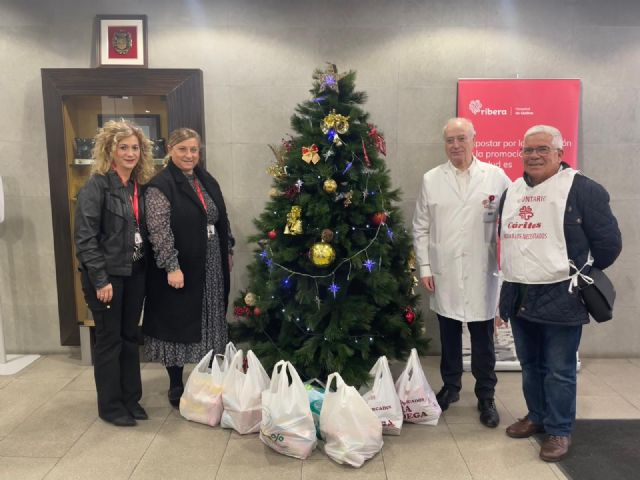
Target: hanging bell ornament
322, 254
330, 185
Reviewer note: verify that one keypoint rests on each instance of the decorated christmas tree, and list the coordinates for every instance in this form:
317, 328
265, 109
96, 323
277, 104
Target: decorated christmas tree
332, 284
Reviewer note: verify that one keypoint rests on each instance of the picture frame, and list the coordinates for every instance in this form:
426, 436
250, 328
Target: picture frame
121, 41
149, 123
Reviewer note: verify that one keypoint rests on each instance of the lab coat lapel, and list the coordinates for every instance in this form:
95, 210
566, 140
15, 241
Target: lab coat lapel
450, 180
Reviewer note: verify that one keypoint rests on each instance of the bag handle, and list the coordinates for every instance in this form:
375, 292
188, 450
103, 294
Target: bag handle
204, 362
295, 378
276, 376
236, 362
339, 381
413, 364
219, 363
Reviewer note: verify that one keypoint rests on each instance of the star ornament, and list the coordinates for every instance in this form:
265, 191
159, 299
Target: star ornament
334, 288
329, 78
369, 264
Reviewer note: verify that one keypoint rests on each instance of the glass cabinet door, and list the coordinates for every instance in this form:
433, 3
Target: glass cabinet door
83, 115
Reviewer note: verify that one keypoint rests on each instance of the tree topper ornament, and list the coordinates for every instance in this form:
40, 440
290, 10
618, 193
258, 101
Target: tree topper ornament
329, 78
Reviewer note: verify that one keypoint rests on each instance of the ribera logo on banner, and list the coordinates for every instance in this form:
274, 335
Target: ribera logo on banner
476, 108
502, 110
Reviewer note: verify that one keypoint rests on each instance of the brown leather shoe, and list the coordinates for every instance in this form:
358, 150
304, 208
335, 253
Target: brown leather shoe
555, 448
524, 428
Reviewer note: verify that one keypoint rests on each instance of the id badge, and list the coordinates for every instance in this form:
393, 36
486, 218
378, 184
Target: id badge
137, 238
211, 230
490, 215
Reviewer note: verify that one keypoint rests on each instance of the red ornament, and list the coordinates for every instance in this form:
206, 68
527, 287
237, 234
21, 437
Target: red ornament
377, 139
367, 162
378, 218
272, 234
257, 312
409, 315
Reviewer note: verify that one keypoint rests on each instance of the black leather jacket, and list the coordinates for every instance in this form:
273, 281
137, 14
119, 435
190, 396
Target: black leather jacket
105, 228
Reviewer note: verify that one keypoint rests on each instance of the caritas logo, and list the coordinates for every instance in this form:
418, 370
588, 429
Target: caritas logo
526, 212
476, 108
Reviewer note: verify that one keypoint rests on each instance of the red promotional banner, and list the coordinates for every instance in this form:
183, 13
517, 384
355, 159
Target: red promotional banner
503, 109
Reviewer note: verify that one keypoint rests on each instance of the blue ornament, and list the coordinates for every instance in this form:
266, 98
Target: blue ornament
331, 134
369, 264
349, 165
333, 288
390, 234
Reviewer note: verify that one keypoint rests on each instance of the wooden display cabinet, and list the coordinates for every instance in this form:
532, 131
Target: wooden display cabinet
76, 103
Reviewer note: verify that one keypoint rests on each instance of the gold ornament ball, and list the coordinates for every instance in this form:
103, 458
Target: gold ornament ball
330, 185
250, 299
322, 254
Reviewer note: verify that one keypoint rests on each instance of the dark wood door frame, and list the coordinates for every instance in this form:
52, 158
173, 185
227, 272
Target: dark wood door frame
183, 89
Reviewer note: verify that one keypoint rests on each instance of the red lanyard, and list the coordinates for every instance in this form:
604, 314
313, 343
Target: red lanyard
134, 199
199, 192
134, 202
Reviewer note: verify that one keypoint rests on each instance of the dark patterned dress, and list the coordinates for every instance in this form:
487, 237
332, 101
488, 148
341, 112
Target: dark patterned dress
214, 324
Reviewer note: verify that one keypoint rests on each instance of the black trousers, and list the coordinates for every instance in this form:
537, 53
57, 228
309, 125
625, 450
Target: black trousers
483, 355
116, 362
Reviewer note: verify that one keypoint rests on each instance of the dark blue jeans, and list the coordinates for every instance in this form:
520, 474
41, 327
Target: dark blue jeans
547, 354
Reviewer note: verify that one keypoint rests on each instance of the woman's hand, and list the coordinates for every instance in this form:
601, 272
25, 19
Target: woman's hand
105, 294
175, 279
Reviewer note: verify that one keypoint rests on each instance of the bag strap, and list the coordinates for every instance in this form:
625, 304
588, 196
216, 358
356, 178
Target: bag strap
204, 363
279, 371
339, 382
236, 362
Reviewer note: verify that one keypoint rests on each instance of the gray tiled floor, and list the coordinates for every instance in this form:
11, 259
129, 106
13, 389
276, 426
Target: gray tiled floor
49, 430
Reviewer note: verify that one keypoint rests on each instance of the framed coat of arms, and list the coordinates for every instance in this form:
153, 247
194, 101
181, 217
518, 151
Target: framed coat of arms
122, 40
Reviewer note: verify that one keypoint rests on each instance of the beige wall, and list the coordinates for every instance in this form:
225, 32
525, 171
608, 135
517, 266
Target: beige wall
258, 56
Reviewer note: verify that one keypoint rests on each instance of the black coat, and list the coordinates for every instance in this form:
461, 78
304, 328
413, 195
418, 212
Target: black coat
104, 228
175, 315
589, 225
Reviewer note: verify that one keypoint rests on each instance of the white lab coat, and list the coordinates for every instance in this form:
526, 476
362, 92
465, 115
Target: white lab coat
454, 237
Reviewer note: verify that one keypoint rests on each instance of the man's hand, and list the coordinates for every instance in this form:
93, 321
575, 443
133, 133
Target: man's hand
428, 283
499, 323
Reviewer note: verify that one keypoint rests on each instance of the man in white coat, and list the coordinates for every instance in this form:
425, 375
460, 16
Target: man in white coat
454, 237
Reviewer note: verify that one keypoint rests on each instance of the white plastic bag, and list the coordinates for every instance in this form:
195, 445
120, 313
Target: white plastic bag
383, 399
418, 401
287, 425
353, 433
202, 398
242, 394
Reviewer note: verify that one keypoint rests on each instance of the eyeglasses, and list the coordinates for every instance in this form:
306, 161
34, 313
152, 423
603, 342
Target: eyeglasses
542, 151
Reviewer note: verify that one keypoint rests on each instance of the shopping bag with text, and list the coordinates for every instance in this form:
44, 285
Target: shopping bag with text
383, 399
418, 401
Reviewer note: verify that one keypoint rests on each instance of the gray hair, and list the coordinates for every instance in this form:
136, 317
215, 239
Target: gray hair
458, 119
556, 140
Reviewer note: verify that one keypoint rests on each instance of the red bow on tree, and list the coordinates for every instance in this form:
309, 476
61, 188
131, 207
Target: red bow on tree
377, 139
